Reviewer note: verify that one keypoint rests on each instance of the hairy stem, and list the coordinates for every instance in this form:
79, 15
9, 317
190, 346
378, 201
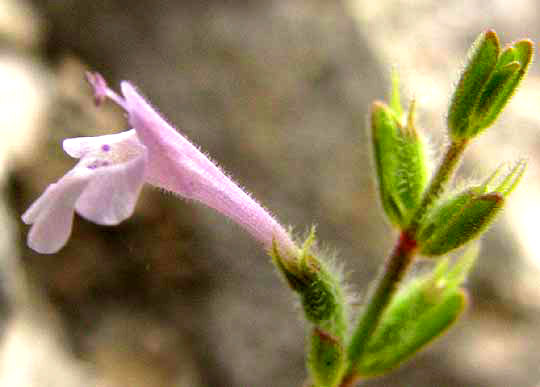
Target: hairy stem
397, 264
389, 279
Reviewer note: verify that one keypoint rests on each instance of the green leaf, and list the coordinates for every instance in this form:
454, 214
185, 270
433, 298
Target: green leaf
400, 339
401, 163
326, 359
483, 57
421, 311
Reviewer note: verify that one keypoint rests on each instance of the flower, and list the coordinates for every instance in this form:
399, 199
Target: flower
103, 187
154, 152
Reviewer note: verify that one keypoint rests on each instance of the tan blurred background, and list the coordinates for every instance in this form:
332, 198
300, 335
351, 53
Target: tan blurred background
278, 93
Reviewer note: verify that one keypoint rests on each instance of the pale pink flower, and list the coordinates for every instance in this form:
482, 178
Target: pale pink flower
103, 187
170, 162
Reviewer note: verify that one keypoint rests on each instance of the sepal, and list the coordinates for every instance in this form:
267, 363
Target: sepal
395, 97
324, 304
319, 287
510, 70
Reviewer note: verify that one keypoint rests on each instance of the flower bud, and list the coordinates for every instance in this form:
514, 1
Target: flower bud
487, 83
454, 221
401, 163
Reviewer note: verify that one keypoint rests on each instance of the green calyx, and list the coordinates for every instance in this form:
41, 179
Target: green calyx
323, 300
400, 158
320, 290
454, 221
487, 83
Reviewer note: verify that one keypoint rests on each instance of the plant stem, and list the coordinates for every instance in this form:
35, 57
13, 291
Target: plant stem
389, 278
397, 264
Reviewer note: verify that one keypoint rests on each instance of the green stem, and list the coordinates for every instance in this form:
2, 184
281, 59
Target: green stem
397, 264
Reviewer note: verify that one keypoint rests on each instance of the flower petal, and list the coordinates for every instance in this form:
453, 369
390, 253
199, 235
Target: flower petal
112, 194
41, 204
80, 146
51, 215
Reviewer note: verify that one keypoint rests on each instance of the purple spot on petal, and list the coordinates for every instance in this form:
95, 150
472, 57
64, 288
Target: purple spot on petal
104, 163
94, 164
106, 147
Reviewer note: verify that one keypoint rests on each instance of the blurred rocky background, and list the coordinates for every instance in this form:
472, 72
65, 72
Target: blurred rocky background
278, 93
